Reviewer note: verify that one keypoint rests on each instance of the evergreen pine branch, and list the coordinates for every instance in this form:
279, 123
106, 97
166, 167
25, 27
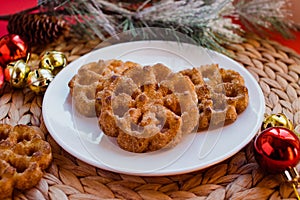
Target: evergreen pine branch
261, 15
204, 20
192, 17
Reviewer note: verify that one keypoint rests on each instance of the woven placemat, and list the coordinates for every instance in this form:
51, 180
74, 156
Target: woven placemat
276, 69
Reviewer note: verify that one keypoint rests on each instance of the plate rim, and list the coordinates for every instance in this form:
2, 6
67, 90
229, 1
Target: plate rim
64, 146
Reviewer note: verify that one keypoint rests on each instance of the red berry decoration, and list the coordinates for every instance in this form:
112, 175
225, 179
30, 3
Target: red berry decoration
277, 149
12, 48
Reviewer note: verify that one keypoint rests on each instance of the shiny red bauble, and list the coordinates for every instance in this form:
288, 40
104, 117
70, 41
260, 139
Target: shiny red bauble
1, 77
12, 48
277, 149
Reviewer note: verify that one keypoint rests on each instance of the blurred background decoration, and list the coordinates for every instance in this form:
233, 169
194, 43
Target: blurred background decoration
212, 23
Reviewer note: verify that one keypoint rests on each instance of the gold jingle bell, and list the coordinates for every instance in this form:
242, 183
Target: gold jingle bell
16, 73
53, 61
277, 120
39, 79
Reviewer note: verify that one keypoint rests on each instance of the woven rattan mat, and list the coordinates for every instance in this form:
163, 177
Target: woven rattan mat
276, 69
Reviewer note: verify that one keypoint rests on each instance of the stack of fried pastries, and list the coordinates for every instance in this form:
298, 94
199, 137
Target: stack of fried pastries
151, 107
23, 157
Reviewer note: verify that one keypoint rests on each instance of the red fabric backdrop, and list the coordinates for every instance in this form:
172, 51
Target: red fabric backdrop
13, 6
292, 43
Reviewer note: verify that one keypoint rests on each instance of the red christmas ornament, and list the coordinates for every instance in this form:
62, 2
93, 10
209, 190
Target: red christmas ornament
1, 77
12, 48
276, 149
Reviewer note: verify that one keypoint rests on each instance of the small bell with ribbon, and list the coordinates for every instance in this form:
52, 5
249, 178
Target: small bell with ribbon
53, 61
277, 120
14, 68
12, 48
39, 79
16, 73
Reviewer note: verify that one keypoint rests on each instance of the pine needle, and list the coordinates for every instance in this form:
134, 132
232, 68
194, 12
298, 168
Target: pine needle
205, 21
261, 15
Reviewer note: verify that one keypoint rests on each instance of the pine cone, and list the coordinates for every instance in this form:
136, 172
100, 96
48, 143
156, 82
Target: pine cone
36, 28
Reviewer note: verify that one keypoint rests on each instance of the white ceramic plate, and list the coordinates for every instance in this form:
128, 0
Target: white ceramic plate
82, 137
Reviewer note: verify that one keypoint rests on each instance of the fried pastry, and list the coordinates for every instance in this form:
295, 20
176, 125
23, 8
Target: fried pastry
221, 94
23, 157
147, 108
83, 85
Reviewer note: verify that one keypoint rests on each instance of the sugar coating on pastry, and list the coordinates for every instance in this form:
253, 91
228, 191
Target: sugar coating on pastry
150, 107
147, 108
221, 93
23, 157
83, 85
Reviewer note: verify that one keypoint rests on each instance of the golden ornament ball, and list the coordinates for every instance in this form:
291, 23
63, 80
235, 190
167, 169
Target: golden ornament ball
39, 79
53, 61
277, 120
16, 73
